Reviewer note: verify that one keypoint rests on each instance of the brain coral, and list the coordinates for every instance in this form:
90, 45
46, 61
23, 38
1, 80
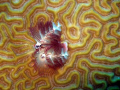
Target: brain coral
90, 27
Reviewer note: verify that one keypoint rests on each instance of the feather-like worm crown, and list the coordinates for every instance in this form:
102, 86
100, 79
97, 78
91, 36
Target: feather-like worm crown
49, 51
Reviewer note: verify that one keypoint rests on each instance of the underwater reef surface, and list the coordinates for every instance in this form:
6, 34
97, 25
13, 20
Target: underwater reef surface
90, 27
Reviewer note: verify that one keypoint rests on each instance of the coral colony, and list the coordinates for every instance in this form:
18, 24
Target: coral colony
50, 53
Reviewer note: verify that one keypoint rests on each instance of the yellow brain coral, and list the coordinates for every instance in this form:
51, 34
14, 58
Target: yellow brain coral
91, 28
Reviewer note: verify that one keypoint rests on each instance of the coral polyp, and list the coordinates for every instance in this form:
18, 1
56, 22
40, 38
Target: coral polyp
49, 53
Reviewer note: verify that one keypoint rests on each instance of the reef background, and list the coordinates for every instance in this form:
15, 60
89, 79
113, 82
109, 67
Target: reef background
91, 28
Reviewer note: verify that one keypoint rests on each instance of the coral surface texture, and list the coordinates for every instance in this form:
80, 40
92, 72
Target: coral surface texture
91, 29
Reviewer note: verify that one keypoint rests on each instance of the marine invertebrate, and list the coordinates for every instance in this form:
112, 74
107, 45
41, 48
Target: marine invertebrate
49, 53
92, 29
